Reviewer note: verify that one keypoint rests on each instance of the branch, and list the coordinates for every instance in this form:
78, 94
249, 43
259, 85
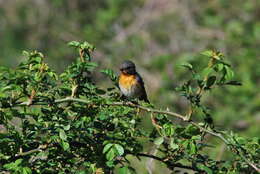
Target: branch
132, 105
39, 149
166, 162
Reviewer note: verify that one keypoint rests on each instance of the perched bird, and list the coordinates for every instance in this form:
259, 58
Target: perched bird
131, 83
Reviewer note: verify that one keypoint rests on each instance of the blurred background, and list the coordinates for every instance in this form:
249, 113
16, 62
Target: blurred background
158, 35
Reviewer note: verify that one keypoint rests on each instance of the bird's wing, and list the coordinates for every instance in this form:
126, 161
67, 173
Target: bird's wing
141, 82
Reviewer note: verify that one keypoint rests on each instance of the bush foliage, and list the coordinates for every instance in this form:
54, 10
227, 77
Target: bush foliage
67, 124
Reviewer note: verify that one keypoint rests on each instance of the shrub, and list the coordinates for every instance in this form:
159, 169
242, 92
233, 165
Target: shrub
66, 124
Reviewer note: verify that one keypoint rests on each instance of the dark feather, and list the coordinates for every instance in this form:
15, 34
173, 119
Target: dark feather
143, 93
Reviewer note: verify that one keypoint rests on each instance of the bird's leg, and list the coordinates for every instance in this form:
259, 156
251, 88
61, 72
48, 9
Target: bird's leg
123, 98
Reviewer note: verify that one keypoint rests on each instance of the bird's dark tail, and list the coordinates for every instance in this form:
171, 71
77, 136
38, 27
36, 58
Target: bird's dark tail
144, 98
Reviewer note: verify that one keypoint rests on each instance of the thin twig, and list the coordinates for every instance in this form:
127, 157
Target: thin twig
162, 160
39, 149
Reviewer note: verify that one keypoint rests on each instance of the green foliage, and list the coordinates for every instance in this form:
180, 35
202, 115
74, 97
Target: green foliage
67, 124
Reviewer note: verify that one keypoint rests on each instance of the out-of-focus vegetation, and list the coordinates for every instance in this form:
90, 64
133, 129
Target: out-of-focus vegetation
159, 36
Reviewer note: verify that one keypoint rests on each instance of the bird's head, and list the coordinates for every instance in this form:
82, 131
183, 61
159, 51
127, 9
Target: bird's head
128, 68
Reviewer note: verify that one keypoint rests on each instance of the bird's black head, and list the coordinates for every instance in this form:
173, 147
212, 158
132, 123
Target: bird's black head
128, 67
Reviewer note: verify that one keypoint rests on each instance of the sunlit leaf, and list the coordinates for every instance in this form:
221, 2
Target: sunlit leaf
207, 53
158, 141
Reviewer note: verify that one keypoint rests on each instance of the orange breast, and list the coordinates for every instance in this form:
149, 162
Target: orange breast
127, 81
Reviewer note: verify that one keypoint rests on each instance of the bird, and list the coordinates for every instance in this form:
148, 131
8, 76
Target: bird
131, 83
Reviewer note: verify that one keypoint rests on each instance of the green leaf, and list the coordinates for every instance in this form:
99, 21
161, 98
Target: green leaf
192, 130
87, 46
119, 149
18, 162
107, 147
205, 168
197, 77
158, 141
193, 148
13, 165
67, 127
241, 140
26, 170
208, 53
100, 91
110, 164
168, 129
124, 170
187, 65
206, 72
110, 73
185, 143
229, 73
38, 59
211, 81
65, 145
90, 66
62, 134
173, 146
111, 154
74, 44
219, 67
26, 53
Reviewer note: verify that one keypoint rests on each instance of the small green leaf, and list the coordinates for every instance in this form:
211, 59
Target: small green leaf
208, 53
62, 134
26, 53
65, 145
111, 154
158, 141
196, 76
38, 59
67, 127
13, 165
124, 170
241, 140
211, 81
187, 65
87, 46
229, 73
100, 91
107, 147
185, 143
168, 129
173, 145
119, 149
74, 44
192, 130
18, 162
110, 73
206, 72
193, 148
205, 168
110, 164
26, 170
219, 67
